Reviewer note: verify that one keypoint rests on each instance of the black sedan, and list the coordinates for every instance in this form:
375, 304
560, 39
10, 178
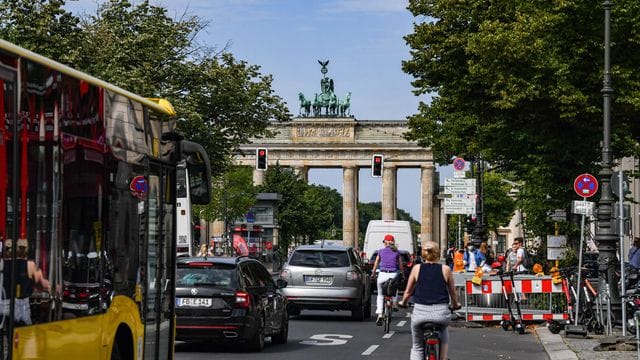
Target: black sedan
229, 300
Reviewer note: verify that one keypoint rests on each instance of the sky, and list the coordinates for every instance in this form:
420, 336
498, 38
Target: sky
362, 39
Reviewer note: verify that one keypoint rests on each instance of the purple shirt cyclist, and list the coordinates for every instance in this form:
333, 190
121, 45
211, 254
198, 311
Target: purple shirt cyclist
390, 262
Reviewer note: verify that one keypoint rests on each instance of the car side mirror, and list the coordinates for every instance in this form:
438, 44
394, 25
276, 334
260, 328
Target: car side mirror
281, 283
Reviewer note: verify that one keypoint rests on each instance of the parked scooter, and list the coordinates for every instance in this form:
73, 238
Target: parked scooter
514, 322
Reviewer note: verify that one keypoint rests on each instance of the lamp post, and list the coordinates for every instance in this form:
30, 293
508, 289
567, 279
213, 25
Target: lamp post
605, 237
479, 235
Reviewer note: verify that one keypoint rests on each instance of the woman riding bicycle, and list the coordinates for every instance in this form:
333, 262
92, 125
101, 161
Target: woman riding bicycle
431, 285
390, 263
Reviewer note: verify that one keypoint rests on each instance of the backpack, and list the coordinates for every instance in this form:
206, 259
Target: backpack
390, 286
526, 260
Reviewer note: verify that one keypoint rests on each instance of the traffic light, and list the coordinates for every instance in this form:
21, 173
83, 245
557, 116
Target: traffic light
261, 158
376, 165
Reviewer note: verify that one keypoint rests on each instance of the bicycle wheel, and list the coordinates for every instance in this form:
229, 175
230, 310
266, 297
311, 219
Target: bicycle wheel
387, 318
430, 352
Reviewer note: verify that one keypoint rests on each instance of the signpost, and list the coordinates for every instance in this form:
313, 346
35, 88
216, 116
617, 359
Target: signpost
585, 186
459, 186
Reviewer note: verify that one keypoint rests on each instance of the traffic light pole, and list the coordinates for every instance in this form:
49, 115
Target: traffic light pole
479, 235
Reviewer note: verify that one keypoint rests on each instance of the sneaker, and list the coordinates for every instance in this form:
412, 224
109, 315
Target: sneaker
379, 320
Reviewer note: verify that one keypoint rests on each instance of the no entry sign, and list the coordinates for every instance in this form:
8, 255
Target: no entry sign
585, 185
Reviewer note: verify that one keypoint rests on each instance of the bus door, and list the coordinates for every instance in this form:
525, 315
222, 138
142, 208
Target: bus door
159, 266
8, 183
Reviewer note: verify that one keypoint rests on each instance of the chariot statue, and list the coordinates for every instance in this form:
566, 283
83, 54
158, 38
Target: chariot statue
326, 103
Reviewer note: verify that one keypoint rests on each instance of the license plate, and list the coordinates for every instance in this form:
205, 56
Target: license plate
318, 279
72, 306
194, 302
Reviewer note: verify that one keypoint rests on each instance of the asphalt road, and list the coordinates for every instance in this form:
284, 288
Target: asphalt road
324, 335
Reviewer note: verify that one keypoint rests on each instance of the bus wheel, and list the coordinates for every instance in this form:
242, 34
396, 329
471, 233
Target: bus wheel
115, 351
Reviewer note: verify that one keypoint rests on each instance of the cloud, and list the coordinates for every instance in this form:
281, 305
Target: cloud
365, 6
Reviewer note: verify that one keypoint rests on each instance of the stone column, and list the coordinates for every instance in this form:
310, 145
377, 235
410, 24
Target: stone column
426, 203
302, 171
388, 192
258, 177
349, 216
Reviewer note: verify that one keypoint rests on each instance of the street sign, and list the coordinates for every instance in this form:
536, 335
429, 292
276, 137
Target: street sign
251, 217
459, 174
459, 186
582, 207
556, 241
556, 253
585, 185
557, 215
460, 204
615, 184
458, 164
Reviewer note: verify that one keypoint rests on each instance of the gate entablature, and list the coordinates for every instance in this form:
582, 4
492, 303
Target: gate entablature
305, 143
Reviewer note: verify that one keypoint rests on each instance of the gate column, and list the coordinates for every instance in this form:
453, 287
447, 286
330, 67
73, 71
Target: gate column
426, 203
258, 177
349, 205
389, 192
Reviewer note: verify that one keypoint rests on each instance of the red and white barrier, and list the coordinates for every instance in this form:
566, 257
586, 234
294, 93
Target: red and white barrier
525, 286
496, 311
525, 317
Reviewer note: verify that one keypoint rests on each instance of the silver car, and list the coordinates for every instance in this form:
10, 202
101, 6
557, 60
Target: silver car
327, 277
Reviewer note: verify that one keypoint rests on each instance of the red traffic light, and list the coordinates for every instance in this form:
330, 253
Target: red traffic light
261, 159
376, 165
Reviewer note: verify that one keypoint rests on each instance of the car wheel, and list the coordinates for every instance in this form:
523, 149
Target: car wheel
256, 343
367, 308
357, 312
293, 311
281, 337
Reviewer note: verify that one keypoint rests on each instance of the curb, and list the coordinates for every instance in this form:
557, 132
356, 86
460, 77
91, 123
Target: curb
554, 346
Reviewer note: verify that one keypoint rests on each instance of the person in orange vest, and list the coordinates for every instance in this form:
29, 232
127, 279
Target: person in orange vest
458, 261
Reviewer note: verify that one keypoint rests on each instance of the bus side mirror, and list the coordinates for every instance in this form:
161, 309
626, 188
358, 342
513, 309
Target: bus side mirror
199, 170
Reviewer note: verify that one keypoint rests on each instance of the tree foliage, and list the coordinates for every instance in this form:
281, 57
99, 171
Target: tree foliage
519, 83
222, 102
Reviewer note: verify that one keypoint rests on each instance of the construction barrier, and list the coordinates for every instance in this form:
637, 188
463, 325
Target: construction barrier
486, 302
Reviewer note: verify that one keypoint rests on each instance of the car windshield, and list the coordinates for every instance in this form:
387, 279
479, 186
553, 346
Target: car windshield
320, 259
216, 275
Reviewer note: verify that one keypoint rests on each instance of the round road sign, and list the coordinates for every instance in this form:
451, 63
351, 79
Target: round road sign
585, 185
458, 164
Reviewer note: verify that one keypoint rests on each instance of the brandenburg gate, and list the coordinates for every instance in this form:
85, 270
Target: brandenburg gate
335, 139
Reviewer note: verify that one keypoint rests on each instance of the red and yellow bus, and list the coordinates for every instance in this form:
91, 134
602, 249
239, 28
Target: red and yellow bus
87, 186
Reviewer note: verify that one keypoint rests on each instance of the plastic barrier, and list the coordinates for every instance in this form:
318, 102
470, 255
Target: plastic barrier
486, 302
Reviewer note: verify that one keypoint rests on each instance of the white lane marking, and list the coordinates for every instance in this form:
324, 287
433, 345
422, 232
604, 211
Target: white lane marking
370, 350
388, 335
401, 323
408, 314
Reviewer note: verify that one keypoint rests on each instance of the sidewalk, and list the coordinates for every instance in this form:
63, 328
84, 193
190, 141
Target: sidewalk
560, 347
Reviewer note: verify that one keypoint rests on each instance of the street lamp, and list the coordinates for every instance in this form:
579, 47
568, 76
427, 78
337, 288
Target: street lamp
605, 237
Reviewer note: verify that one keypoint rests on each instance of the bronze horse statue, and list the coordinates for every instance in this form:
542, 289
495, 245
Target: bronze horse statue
304, 105
317, 106
344, 105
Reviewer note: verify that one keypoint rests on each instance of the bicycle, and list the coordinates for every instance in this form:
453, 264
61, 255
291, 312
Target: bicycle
431, 336
389, 290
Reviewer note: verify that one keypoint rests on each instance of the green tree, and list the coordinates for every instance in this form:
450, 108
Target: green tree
232, 196
292, 209
519, 84
42, 26
222, 102
498, 204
